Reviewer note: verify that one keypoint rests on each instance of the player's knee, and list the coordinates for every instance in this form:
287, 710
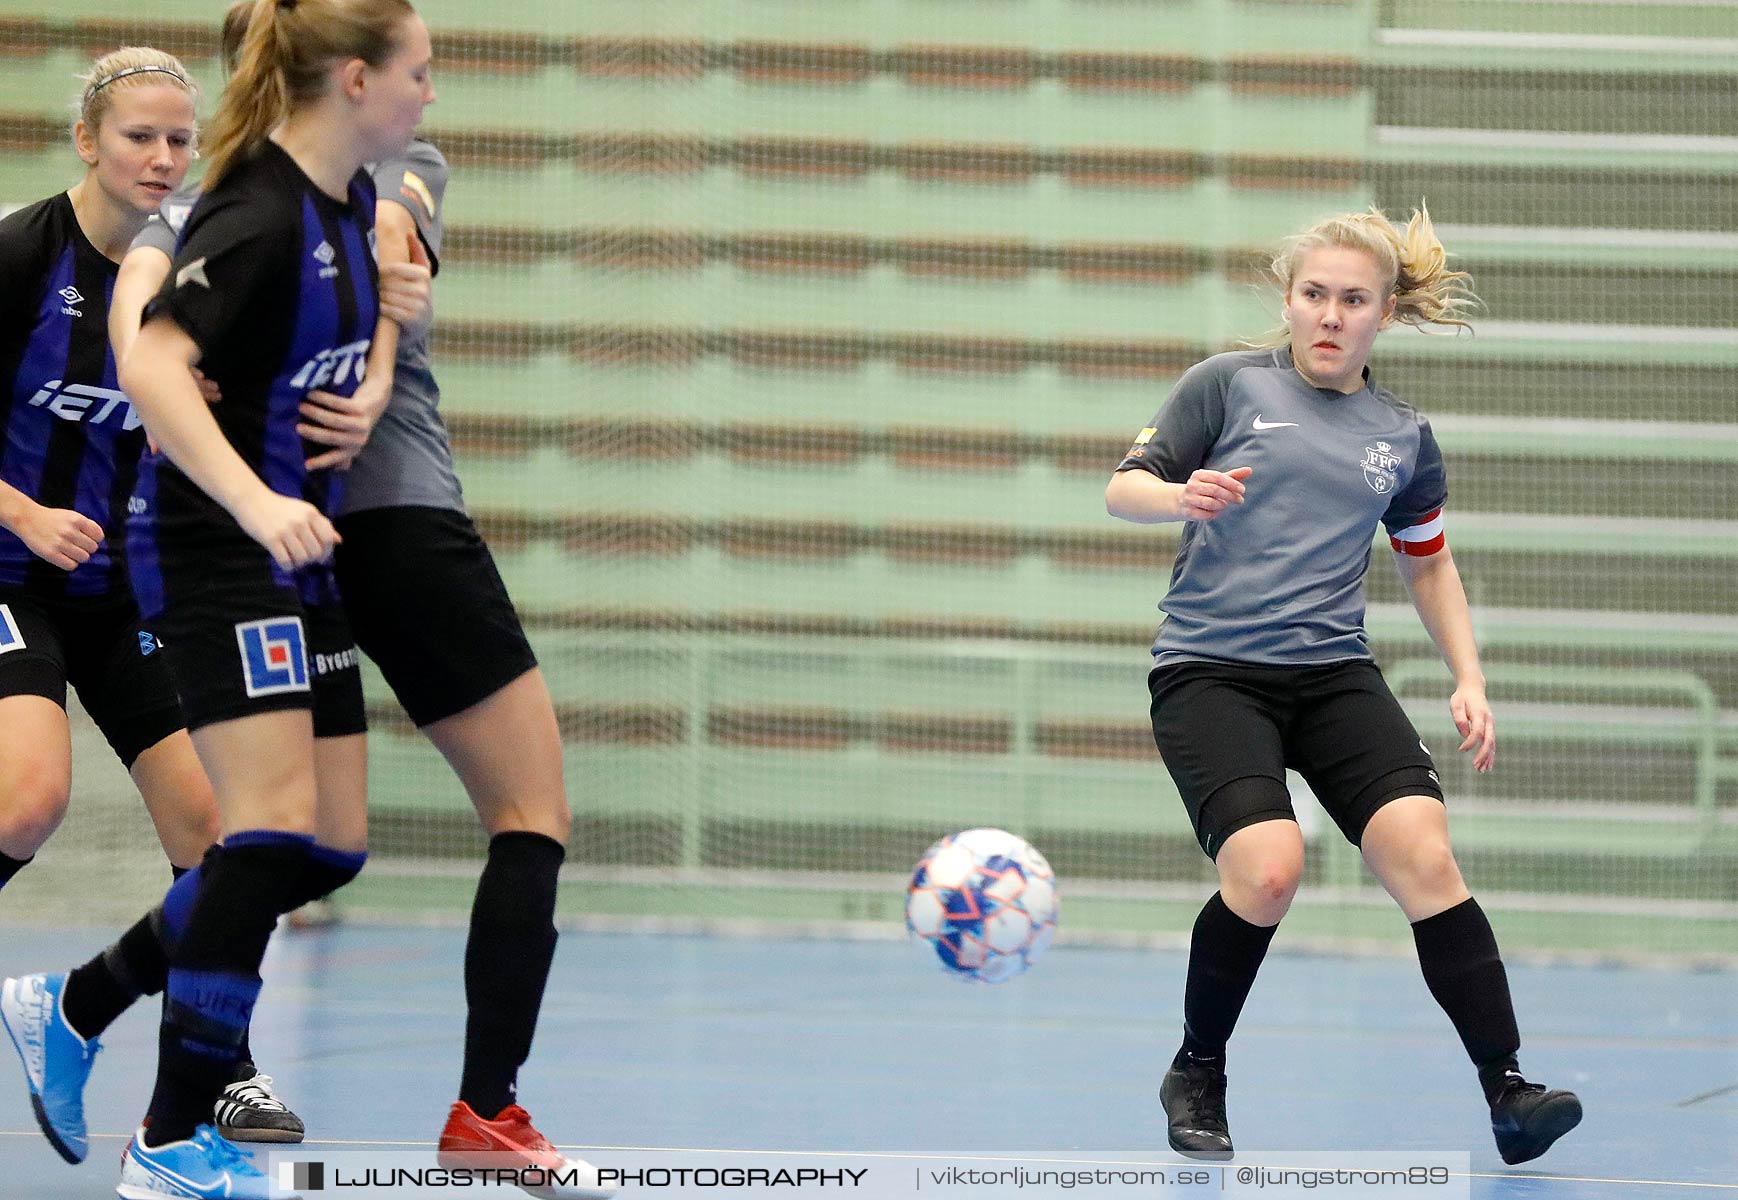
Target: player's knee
31, 809
1276, 879
558, 821
187, 829
1431, 867
1261, 888
537, 810
204, 827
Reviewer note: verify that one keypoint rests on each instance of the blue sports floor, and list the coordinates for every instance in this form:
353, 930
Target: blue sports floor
670, 1042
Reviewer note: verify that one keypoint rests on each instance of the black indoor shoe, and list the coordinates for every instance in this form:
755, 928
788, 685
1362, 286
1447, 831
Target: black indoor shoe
1527, 1119
1194, 1098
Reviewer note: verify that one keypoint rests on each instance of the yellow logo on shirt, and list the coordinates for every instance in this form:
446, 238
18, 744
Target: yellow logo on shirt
1146, 436
415, 189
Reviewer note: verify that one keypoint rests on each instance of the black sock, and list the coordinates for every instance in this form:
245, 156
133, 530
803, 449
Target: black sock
11, 866
105, 987
326, 871
1224, 955
214, 975
1458, 954
134, 965
507, 957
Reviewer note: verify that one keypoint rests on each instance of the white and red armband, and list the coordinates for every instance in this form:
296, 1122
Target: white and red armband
1422, 539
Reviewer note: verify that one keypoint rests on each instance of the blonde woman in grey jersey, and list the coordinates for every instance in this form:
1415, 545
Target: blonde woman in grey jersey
1281, 461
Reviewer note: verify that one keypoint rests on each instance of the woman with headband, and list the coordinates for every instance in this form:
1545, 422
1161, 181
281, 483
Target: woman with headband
72, 444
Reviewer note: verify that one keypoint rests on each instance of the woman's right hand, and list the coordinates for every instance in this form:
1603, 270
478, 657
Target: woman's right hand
293, 531
58, 536
1209, 493
208, 388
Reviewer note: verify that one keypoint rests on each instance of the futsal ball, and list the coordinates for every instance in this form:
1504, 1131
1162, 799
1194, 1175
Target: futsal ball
985, 902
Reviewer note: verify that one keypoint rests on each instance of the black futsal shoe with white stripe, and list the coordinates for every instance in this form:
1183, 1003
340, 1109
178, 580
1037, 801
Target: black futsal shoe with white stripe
1193, 1093
249, 1111
1527, 1118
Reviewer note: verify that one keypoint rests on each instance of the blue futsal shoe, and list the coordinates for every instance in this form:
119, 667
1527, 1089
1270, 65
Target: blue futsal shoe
57, 1061
204, 1167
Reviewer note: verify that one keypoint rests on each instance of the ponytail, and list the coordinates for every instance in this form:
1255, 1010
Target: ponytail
1426, 292
257, 98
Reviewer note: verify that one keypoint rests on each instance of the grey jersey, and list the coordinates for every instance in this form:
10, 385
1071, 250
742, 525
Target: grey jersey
408, 460
164, 228
1279, 579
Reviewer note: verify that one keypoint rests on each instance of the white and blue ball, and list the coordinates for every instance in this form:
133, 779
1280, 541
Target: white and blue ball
985, 902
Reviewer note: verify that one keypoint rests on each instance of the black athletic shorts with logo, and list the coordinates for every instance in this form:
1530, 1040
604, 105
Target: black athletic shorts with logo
428, 606
98, 645
1228, 731
236, 651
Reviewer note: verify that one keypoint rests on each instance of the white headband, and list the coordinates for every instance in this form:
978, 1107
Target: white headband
104, 82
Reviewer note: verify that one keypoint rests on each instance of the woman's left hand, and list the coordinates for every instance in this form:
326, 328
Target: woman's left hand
343, 422
1478, 728
406, 293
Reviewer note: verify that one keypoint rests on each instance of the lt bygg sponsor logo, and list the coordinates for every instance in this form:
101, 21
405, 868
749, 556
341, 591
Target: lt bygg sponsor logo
273, 656
343, 660
10, 638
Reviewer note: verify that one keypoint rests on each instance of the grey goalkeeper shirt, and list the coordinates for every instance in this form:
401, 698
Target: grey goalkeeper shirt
408, 459
1279, 579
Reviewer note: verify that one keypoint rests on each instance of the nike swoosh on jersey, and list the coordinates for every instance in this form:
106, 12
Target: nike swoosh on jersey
1260, 424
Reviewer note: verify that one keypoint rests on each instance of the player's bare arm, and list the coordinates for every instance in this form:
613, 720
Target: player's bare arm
1434, 584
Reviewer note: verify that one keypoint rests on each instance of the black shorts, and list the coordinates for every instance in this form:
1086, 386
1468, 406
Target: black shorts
236, 651
428, 606
1338, 725
99, 646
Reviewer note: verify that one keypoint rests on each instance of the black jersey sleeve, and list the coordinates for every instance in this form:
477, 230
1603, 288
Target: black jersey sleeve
26, 245
1177, 440
1426, 492
417, 180
232, 252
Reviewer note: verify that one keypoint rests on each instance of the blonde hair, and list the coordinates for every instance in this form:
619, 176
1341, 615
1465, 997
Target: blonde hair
128, 67
1413, 263
285, 54
235, 23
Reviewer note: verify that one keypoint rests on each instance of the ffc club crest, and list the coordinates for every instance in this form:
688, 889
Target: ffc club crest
1380, 462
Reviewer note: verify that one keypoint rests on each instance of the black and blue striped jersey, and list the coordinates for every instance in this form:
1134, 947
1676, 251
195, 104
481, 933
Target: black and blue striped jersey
276, 284
71, 438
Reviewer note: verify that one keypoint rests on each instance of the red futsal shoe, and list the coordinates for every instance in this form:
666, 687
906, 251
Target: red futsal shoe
511, 1143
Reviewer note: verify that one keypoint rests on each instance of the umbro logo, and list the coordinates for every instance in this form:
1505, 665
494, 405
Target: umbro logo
326, 256
71, 296
1260, 424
